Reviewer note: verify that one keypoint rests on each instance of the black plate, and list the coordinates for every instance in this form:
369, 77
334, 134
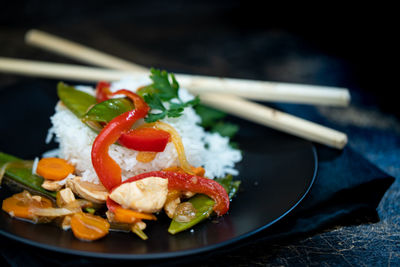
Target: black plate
277, 171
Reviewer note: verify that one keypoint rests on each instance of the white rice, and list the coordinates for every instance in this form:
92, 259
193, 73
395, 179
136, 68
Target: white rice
209, 150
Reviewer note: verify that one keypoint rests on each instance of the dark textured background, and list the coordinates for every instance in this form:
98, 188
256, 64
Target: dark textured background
330, 44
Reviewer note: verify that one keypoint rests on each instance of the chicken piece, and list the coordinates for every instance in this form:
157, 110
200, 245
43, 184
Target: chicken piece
51, 185
146, 195
95, 193
65, 197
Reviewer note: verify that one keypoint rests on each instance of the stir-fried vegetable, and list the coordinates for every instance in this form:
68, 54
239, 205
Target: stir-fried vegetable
106, 168
230, 186
177, 141
108, 110
139, 232
145, 139
192, 183
54, 168
22, 205
89, 227
19, 173
76, 101
103, 91
114, 118
203, 206
126, 215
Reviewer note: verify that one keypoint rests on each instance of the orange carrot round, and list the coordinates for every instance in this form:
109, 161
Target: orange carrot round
54, 168
21, 207
89, 227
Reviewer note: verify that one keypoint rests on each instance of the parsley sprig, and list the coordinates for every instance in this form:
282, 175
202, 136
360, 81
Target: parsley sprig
164, 89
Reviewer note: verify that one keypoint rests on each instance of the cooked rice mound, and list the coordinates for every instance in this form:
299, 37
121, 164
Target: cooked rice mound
202, 148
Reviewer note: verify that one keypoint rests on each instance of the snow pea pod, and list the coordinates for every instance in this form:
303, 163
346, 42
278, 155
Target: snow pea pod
204, 205
204, 208
86, 108
18, 173
75, 100
230, 186
108, 110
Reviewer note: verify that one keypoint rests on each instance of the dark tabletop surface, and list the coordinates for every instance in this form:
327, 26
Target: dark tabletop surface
239, 39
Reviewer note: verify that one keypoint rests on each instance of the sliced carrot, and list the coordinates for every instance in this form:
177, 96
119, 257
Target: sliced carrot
198, 171
20, 206
145, 156
54, 168
130, 216
89, 227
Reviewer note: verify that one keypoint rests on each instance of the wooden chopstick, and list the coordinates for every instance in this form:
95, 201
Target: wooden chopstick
61, 71
277, 120
229, 103
251, 89
79, 52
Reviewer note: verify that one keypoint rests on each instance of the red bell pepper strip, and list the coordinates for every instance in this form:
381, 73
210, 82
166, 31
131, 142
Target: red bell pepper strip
145, 139
141, 140
106, 168
188, 182
112, 205
103, 91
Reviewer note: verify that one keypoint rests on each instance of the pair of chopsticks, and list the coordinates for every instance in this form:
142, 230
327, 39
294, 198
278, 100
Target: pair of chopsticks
226, 94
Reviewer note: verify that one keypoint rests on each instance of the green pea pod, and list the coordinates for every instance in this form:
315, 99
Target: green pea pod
204, 208
85, 106
108, 110
230, 186
204, 205
75, 100
19, 174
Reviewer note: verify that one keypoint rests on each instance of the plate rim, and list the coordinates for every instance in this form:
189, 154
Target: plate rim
175, 254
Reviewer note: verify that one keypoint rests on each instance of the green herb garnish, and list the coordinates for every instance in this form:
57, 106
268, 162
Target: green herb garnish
163, 90
212, 120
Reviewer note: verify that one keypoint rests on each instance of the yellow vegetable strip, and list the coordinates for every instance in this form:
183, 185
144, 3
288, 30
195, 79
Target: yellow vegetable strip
176, 140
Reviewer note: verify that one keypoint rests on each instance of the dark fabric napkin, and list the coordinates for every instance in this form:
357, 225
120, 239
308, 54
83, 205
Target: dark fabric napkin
347, 190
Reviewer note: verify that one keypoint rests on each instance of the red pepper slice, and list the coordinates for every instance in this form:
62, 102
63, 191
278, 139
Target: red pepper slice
111, 204
103, 91
145, 139
188, 182
141, 140
106, 168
